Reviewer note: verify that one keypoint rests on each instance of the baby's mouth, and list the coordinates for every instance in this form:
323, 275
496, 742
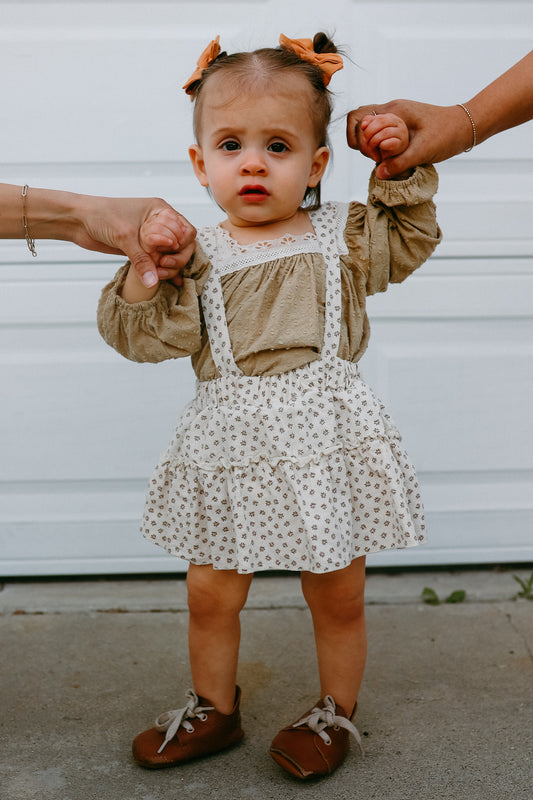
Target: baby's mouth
253, 190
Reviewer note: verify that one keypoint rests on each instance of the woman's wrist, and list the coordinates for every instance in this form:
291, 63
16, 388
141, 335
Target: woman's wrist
44, 212
472, 127
453, 132
95, 223
52, 214
31, 213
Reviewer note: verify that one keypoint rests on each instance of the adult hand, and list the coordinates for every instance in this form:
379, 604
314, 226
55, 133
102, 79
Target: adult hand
113, 225
435, 134
384, 136
169, 240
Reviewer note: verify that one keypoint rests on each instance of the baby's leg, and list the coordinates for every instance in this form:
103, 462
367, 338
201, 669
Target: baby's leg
318, 742
216, 598
336, 602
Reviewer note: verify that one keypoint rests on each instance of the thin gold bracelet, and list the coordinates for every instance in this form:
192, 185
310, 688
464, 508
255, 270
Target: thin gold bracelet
474, 133
29, 241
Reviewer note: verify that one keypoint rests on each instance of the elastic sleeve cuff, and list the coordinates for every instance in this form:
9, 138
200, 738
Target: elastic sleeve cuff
413, 191
166, 297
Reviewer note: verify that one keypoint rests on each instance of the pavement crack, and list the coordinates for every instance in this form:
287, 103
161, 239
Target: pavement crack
520, 635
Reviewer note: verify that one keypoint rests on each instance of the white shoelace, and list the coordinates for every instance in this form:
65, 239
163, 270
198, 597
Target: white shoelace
321, 718
171, 721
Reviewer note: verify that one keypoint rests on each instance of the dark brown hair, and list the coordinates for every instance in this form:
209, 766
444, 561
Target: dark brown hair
258, 65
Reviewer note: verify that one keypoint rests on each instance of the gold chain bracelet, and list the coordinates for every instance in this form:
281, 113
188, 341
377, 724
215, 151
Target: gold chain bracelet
474, 133
29, 241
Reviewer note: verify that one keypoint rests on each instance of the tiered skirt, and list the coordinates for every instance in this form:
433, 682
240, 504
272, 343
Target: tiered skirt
299, 471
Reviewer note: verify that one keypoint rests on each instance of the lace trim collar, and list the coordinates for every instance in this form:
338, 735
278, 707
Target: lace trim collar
227, 255
268, 244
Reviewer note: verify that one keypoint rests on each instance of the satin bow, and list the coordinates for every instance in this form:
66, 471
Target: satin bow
208, 56
328, 63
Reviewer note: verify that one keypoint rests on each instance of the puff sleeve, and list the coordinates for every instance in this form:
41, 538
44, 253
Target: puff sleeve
167, 326
397, 231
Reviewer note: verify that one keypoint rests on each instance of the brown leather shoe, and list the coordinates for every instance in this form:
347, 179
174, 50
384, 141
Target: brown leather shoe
196, 730
317, 744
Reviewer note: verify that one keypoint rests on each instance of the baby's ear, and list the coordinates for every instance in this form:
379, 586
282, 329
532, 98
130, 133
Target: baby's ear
318, 166
197, 161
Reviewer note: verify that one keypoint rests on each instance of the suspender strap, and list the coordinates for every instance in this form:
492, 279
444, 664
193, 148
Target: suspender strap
329, 222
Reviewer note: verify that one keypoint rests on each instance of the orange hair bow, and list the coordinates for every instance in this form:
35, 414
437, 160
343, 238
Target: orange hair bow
208, 56
328, 63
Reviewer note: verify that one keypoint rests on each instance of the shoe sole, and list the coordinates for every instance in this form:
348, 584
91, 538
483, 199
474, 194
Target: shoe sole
177, 763
293, 769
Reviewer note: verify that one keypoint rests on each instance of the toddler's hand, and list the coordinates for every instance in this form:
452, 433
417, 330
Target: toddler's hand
384, 135
170, 240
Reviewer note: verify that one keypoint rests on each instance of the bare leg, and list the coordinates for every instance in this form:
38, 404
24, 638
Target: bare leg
336, 602
215, 598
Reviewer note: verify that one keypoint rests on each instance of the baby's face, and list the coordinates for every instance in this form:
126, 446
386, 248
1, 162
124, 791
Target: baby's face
257, 150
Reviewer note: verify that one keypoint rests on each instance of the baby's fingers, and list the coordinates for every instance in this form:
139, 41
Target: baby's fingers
160, 238
179, 259
363, 137
176, 226
377, 135
391, 147
167, 229
387, 132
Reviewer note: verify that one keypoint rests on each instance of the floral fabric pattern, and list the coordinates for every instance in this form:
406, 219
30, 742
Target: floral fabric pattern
303, 470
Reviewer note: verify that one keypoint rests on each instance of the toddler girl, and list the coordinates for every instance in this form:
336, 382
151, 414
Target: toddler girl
285, 459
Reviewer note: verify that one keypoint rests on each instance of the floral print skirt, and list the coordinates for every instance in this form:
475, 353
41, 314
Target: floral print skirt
299, 471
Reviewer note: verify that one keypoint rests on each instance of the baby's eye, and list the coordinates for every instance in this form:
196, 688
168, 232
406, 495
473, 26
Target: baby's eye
230, 146
278, 147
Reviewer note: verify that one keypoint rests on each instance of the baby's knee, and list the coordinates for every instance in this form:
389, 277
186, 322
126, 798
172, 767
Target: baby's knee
334, 600
211, 594
343, 606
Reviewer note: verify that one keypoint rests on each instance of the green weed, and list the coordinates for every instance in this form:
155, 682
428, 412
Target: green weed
527, 587
431, 598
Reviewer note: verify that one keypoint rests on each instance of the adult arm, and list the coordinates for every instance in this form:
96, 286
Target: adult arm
440, 132
104, 224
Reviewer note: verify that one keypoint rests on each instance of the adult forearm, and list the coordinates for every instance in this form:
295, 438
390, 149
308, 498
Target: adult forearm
105, 224
506, 102
50, 214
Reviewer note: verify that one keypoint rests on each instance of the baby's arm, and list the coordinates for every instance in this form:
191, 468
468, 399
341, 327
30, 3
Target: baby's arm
170, 242
386, 135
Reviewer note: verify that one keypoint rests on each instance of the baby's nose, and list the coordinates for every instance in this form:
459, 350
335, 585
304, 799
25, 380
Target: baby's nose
253, 163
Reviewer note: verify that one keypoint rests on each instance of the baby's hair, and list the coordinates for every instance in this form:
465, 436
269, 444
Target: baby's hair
257, 67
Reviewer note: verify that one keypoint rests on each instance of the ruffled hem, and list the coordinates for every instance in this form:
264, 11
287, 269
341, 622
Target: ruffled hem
258, 518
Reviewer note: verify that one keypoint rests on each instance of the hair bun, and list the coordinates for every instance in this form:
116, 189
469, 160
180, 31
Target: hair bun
323, 44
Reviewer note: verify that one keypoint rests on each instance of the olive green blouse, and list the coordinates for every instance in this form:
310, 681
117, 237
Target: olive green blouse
275, 309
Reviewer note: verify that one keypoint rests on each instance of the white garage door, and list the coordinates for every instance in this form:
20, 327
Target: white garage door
91, 102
